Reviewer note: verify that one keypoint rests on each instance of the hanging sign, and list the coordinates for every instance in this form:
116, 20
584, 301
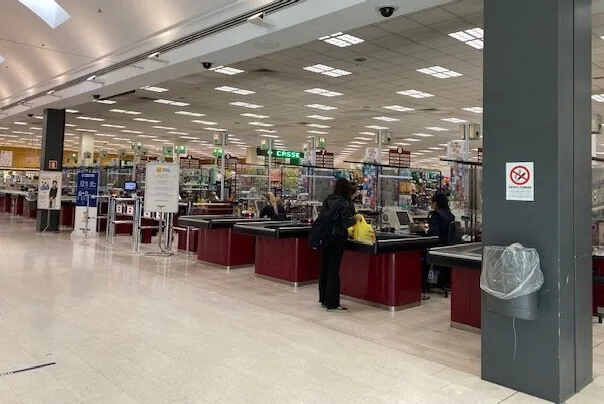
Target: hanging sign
520, 180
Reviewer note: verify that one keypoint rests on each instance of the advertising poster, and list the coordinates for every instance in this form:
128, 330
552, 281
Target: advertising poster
85, 216
6, 158
162, 187
49, 190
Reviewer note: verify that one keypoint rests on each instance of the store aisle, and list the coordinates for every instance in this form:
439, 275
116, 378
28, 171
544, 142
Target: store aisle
132, 329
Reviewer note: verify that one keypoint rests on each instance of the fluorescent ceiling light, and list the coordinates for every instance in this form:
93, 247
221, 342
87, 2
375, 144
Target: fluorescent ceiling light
173, 103
422, 134
107, 102
266, 131
320, 117
87, 130
454, 120
48, 10
178, 133
341, 39
107, 125
386, 119
367, 133
266, 125
2, 59
246, 105
144, 136
235, 90
34, 128
472, 37
270, 136
20, 123
476, 110
439, 72
147, 120
154, 89
415, 94
204, 122
255, 116
598, 97
317, 132
363, 138
398, 108
410, 139
88, 118
318, 125
126, 112
323, 92
357, 142
186, 113
327, 70
437, 129
131, 131
18, 132
164, 127
376, 127
104, 135
230, 71
215, 129
321, 107
436, 148
72, 111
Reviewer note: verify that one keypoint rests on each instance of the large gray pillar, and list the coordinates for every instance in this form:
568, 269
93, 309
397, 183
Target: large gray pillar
53, 137
537, 87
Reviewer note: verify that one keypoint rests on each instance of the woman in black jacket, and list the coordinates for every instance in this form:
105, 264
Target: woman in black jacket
342, 215
274, 210
439, 221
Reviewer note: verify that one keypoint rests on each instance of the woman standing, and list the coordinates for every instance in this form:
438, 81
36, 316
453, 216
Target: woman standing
339, 211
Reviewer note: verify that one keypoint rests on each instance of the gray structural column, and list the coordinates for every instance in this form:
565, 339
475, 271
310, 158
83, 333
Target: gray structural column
53, 138
537, 106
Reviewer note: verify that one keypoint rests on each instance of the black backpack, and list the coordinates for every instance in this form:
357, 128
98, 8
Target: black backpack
322, 227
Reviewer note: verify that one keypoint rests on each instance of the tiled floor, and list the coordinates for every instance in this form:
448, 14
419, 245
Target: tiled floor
125, 328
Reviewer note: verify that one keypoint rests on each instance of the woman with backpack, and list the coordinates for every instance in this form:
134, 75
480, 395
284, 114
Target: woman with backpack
337, 215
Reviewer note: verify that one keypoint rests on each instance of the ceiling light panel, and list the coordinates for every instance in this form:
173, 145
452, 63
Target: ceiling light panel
386, 119
250, 115
106, 102
235, 90
178, 133
411, 139
173, 103
317, 132
321, 107
136, 132
454, 120
320, 117
108, 125
126, 112
472, 37
204, 122
20, 123
437, 129
323, 92
147, 120
246, 105
476, 110
87, 130
415, 94
598, 97
88, 118
164, 127
398, 108
266, 131
367, 133
327, 70
186, 113
266, 125
377, 127
341, 40
229, 71
154, 89
422, 134
439, 72
318, 125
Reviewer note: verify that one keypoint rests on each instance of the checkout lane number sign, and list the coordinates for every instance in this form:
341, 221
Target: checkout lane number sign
520, 182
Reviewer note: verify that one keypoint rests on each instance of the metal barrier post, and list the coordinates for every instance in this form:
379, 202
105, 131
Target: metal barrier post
168, 231
136, 223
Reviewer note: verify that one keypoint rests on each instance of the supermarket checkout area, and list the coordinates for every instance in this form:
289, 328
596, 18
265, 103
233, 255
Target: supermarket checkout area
24, 203
387, 274
465, 261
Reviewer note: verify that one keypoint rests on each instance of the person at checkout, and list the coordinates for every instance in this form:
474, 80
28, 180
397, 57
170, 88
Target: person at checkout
439, 221
274, 209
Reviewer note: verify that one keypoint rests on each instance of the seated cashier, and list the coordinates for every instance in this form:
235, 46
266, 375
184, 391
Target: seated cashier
274, 210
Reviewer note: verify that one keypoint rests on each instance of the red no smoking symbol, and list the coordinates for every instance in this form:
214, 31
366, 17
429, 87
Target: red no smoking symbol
520, 175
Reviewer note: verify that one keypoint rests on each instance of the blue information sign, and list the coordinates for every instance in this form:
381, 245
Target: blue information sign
88, 185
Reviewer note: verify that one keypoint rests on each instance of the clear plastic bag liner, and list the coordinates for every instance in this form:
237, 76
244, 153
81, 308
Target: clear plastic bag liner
510, 272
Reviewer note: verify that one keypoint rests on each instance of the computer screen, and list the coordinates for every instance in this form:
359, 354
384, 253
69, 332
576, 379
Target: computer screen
403, 218
130, 186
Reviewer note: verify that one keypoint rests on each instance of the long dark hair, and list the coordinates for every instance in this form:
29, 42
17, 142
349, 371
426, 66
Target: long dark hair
343, 188
441, 201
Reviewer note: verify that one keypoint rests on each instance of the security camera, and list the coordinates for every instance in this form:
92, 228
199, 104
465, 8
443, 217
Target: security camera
30, 115
387, 11
261, 20
207, 65
96, 96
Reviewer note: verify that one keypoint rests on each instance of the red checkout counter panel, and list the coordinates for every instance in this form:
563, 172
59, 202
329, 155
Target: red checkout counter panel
387, 274
465, 261
282, 252
218, 244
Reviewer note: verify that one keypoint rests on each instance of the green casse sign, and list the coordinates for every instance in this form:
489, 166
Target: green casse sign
281, 154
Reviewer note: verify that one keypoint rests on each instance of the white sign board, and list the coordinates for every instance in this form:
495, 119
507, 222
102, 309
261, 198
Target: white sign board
49, 190
6, 158
161, 187
520, 182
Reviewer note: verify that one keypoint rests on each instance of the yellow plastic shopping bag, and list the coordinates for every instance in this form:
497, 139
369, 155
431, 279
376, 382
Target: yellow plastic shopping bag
362, 232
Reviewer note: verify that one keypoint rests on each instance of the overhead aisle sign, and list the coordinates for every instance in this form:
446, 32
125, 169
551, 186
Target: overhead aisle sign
520, 182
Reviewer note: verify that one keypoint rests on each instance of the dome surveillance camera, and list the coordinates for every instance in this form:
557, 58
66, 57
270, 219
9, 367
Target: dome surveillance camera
30, 115
207, 65
96, 96
387, 11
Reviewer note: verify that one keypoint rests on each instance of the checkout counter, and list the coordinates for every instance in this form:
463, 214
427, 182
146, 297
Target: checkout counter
465, 261
387, 274
282, 251
218, 244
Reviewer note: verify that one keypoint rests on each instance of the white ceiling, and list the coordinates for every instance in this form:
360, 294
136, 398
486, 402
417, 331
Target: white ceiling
394, 49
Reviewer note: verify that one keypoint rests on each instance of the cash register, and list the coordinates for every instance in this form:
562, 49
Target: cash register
402, 220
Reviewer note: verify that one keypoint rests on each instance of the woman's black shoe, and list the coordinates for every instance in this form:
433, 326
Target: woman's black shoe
339, 308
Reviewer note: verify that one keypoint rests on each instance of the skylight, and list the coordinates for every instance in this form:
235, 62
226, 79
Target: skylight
415, 94
230, 71
327, 70
235, 90
471, 37
476, 110
48, 10
323, 92
341, 39
439, 72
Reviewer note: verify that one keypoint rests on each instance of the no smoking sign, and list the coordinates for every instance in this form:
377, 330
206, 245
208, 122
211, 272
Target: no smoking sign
520, 180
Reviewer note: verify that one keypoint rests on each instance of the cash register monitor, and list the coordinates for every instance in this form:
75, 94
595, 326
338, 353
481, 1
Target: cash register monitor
403, 218
130, 186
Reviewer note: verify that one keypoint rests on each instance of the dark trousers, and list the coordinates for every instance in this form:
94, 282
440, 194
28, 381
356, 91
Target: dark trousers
329, 277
